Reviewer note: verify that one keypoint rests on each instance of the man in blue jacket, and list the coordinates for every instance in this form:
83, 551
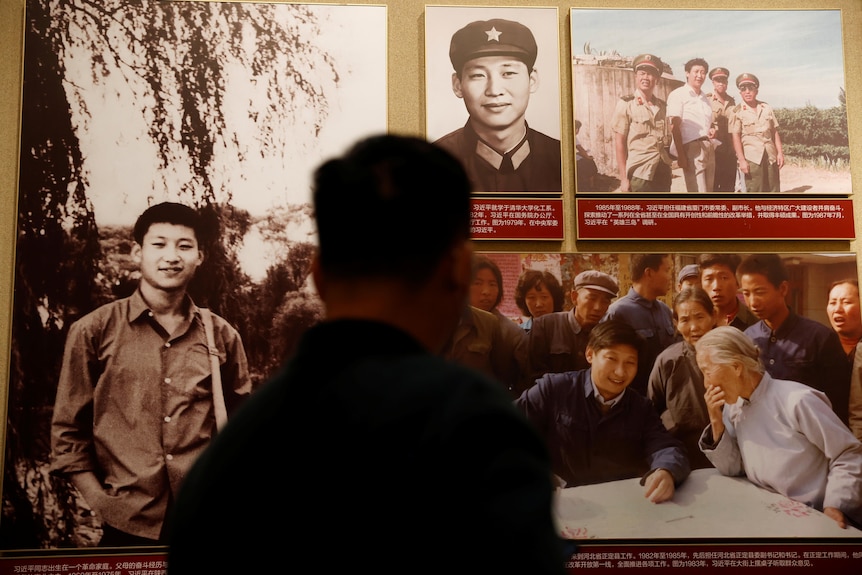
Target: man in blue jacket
598, 432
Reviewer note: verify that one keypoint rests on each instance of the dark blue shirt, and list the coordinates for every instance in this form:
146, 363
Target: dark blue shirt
808, 352
653, 321
589, 447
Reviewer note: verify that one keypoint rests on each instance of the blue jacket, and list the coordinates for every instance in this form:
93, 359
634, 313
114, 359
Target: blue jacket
588, 447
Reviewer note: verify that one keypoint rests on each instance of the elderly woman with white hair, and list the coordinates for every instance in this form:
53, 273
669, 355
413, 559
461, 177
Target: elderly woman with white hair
782, 435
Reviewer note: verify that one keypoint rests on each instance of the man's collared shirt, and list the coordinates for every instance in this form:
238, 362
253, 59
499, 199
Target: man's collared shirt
536, 162
808, 352
756, 127
642, 121
134, 405
695, 111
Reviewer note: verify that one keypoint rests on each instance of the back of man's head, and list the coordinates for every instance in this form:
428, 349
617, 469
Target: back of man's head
640, 262
168, 213
392, 206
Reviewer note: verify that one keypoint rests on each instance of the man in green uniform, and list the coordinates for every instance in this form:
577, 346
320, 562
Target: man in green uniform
640, 132
722, 107
755, 138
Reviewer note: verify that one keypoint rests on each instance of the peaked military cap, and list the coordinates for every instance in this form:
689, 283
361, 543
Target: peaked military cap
492, 38
747, 78
648, 61
718, 72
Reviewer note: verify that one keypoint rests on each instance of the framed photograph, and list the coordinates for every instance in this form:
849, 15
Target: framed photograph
221, 106
492, 87
715, 518
775, 80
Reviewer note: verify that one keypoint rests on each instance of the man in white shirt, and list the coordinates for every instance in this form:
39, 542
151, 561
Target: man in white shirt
692, 126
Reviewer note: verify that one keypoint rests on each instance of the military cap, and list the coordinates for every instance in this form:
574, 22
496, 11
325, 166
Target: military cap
598, 281
718, 72
691, 270
746, 78
492, 38
648, 61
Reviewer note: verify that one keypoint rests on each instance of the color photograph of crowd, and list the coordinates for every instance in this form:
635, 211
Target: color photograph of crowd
669, 363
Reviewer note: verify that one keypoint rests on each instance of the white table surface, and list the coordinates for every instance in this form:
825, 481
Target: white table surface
706, 505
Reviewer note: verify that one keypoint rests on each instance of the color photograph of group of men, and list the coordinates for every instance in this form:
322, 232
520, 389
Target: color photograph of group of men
654, 365
756, 112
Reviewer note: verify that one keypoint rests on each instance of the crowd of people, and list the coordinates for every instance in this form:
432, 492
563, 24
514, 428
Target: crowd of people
617, 387
415, 388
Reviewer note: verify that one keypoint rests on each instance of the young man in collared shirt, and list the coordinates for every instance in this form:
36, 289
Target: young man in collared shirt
690, 113
651, 318
596, 429
134, 405
718, 279
791, 346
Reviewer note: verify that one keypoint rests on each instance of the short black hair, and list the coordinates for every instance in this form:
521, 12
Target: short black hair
769, 265
168, 213
483, 262
696, 62
533, 279
392, 206
614, 332
729, 260
640, 262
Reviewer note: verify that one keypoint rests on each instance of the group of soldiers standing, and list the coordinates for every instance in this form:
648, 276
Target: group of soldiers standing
720, 145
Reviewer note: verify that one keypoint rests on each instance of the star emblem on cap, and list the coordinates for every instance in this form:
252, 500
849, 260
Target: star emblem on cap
493, 34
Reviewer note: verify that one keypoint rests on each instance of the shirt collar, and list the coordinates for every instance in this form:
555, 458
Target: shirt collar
592, 389
138, 307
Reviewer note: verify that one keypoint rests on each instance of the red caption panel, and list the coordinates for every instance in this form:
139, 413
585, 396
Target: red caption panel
716, 219
507, 219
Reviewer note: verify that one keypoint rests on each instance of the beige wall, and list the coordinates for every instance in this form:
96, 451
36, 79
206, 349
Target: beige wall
407, 115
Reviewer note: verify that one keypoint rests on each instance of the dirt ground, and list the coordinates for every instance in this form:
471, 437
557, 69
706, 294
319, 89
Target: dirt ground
794, 180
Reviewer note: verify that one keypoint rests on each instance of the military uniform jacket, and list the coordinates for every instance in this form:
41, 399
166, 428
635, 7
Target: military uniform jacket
722, 116
644, 124
757, 128
537, 163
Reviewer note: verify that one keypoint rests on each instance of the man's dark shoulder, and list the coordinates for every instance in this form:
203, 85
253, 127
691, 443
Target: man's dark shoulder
551, 320
544, 140
98, 318
452, 142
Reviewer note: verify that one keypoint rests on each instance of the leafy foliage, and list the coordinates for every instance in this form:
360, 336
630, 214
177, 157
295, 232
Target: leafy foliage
812, 133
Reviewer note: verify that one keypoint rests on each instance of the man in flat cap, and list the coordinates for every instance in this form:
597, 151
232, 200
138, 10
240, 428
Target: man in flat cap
495, 76
640, 132
690, 114
557, 341
754, 129
722, 108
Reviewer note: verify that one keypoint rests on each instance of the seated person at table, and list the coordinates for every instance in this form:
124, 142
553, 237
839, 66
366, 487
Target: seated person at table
598, 432
781, 434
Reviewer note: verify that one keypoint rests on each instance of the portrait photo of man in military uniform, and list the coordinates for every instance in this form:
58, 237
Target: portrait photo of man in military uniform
494, 77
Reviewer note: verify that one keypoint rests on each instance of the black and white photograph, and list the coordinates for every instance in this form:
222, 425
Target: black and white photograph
492, 85
710, 101
153, 127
